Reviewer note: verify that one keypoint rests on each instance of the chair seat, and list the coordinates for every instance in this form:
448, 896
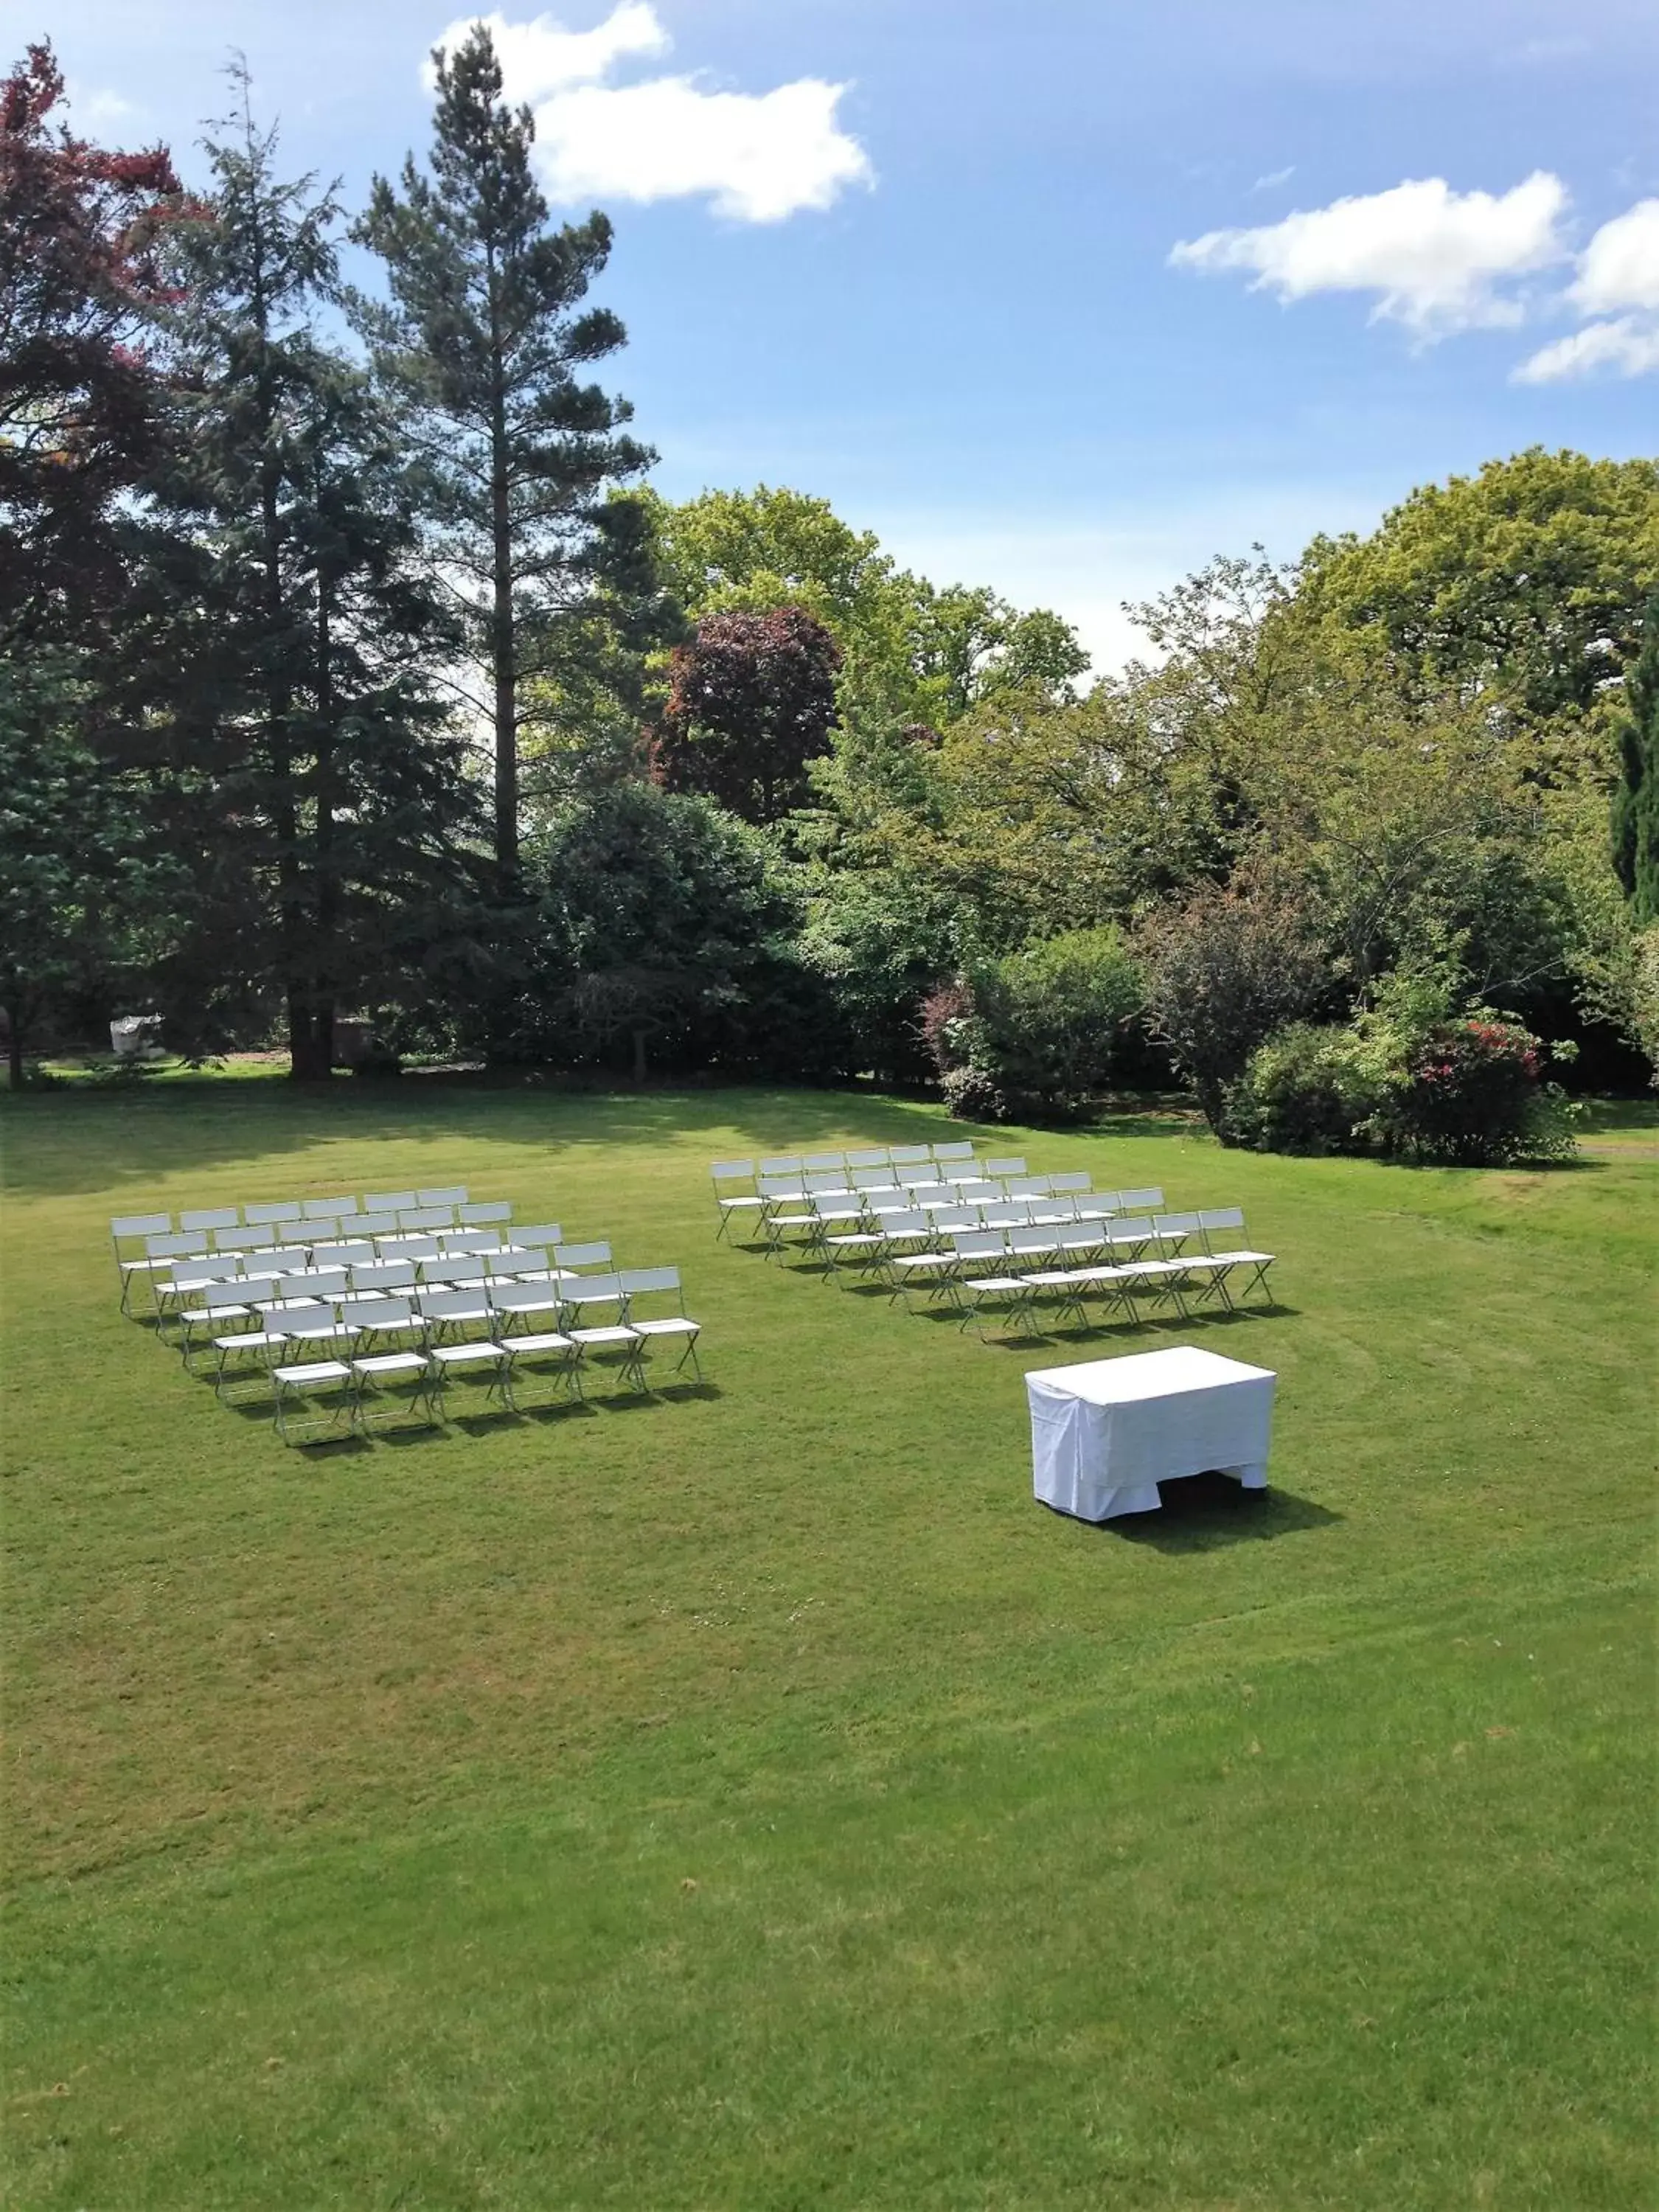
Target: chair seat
548, 1340
617, 1335
731, 1204
997, 1286
677, 1327
1241, 1259
1052, 1279
314, 1374
249, 1340
459, 1355
390, 1362
339, 1332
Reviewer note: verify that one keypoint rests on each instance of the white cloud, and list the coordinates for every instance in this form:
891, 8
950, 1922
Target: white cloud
97, 110
1433, 257
1620, 267
1626, 348
759, 157
541, 57
1273, 179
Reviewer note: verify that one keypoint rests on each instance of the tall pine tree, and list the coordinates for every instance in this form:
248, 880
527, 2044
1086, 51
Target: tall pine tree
482, 343
1636, 799
298, 636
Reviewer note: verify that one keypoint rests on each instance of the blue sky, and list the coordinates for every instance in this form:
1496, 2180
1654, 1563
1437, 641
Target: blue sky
1060, 296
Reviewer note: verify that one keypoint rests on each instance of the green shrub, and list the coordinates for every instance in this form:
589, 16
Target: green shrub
1470, 1095
1042, 1028
1307, 1089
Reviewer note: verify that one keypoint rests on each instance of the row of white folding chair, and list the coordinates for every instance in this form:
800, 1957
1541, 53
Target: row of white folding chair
872, 1155
254, 1249
127, 1227
164, 1244
189, 1280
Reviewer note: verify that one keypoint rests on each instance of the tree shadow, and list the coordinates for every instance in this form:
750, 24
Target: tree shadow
1201, 1512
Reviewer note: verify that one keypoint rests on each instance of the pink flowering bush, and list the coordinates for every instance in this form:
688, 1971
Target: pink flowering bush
1469, 1093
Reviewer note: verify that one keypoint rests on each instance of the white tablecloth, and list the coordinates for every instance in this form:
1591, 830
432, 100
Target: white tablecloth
1105, 1433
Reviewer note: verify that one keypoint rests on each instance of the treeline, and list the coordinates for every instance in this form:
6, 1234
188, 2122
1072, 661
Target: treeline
349, 666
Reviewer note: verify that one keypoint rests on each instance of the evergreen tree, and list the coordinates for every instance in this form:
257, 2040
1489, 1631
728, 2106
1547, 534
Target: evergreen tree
1636, 800
296, 638
482, 344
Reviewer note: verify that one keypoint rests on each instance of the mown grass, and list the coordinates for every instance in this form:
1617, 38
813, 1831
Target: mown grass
755, 1799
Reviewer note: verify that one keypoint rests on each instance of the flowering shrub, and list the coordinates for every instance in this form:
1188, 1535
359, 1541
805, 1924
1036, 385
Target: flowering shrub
1471, 1094
1307, 1089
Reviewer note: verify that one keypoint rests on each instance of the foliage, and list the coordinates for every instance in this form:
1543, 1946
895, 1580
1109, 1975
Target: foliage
482, 345
1636, 797
1309, 1088
80, 270
877, 940
294, 637
751, 702
84, 885
1044, 1025
661, 933
1457, 1084
1529, 578
1224, 969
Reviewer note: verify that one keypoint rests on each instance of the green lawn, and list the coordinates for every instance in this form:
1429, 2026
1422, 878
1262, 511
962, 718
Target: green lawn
754, 1799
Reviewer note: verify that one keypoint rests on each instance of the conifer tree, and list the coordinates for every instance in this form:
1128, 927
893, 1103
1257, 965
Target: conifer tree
297, 637
483, 343
1636, 799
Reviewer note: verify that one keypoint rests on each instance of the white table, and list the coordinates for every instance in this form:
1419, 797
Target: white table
1105, 1433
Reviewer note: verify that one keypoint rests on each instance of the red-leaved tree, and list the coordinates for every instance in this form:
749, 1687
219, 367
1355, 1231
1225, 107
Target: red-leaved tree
79, 265
751, 700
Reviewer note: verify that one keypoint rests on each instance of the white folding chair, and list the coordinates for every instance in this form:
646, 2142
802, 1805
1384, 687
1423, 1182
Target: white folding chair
953, 1152
645, 1285
460, 1243
571, 1259
1098, 1205
733, 1203
986, 1281
213, 1307
1170, 1231
780, 1164
165, 1252
824, 1163
518, 1305
482, 1212
375, 1225
1002, 1168
453, 1270
535, 1237
394, 1389
127, 1229
306, 1323
327, 1209
422, 1219
597, 1293
1141, 1201
1126, 1236
383, 1275
875, 1157
389, 1201
909, 1156
454, 1316
410, 1248
259, 1343
287, 1209
1219, 1222
356, 1252
299, 1292
260, 1238
543, 1367
454, 1196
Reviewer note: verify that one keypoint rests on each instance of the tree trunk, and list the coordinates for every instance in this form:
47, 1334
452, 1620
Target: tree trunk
310, 1037
639, 1055
14, 1045
503, 656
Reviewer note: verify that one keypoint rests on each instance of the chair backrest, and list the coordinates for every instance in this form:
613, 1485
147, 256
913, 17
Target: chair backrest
1221, 1217
472, 1239
522, 1297
483, 1210
642, 1282
287, 1209
947, 1219
1074, 1179
1010, 1167
409, 1247
426, 1217
980, 1243
203, 1274
837, 1205
594, 1290
827, 1179
733, 1170
878, 1176
356, 1252
1132, 1228
781, 1163
297, 1232
376, 1313
978, 1193
211, 1217
178, 1246
385, 1275
819, 1162
243, 1240
326, 1209
906, 1224
1028, 1185
909, 1156
324, 1282
582, 1255
303, 1315
257, 1290
222, 1297
455, 1195
499, 1266
1006, 1213
877, 1157
533, 1233
1176, 1224
373, 1225
1140, 1201
1029, 1242
1063, 1208
389, 1201
447, 1305
123, 1225
953, 1152
1104, 1202
924, 1185
453, 1267
778, 1186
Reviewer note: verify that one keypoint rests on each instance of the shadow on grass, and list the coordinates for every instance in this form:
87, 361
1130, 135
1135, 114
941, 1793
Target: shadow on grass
1200, 1511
